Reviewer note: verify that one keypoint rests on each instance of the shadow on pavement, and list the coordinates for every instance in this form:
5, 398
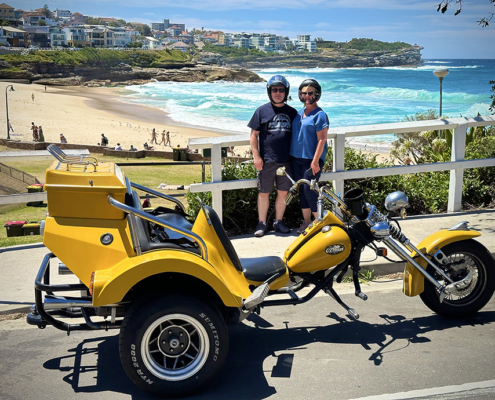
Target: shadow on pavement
97, 359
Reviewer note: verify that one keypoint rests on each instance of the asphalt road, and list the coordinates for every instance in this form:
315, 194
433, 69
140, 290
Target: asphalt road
397, 350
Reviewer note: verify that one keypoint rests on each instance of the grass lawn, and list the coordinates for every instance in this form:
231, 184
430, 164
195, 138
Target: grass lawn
149, 176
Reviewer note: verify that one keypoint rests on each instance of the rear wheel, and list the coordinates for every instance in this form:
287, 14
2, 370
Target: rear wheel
171, 346
463, 257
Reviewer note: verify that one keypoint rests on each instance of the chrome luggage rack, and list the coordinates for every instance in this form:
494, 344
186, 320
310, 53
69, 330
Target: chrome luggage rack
56, 152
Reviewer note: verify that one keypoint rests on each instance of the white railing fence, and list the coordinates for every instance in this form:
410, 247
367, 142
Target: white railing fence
457, 165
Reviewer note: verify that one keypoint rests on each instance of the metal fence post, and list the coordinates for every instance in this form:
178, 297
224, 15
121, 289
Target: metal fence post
338, 161
216, 176
456, 175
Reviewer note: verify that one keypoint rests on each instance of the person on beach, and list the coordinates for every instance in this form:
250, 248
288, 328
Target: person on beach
132, 148
118, 147
153, 137
62, 138
32, 96
163, 137
271, 128
103, 140
34, 128
41, 137
309, 146
167, 139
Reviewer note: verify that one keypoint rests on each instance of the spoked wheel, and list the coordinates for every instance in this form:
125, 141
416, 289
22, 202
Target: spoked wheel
173, 345
463, 257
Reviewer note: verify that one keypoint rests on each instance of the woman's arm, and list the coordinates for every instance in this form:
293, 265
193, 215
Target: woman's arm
322, 137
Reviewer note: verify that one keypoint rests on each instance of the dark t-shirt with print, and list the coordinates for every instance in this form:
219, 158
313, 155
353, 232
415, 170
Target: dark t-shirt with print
275, 127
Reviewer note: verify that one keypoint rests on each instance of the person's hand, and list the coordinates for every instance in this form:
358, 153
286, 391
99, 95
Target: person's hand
315, 167
258, 163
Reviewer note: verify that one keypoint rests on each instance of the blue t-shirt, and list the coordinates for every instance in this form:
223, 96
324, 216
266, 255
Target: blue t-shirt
275, 127
304, 138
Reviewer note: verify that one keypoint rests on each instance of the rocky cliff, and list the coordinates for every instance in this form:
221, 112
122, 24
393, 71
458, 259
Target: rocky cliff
410, 57
122, 74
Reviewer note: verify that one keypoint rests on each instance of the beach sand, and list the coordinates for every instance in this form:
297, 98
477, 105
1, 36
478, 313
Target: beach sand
83, 114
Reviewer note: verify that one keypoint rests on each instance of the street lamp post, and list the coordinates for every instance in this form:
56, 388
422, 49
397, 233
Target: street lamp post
7, 108
441, 73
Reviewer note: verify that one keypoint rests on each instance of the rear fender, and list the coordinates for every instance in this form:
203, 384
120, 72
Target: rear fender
414, 280
111, 285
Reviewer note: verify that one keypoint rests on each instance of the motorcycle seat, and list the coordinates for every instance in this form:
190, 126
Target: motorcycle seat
144, 232
260, 269
176, 220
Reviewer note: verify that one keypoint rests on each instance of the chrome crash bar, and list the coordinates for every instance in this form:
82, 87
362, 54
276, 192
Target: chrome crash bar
148, 217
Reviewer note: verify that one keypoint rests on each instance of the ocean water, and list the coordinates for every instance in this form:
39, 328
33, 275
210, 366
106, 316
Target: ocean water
352, 96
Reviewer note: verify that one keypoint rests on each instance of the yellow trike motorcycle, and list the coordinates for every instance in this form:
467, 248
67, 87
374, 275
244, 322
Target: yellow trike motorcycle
172, 285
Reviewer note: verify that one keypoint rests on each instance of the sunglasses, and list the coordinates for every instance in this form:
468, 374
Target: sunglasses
307, 93
279, 90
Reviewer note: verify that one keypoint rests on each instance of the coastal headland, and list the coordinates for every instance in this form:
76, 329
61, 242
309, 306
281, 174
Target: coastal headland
93, 68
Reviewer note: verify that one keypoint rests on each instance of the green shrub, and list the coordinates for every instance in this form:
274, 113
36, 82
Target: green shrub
427, 192
240, 209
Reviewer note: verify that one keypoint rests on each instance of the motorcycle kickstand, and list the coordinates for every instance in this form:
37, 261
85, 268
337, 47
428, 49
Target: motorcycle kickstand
352, 313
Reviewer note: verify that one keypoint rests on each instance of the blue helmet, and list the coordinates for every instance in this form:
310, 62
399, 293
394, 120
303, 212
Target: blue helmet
278, 80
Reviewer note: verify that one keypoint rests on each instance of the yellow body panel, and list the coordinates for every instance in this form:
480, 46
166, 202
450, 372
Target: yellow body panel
414, 280
307, 252
111, 285
80, 193
76, 242
311, 255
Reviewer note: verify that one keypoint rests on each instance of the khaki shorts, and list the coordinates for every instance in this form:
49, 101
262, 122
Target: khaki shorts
268, 176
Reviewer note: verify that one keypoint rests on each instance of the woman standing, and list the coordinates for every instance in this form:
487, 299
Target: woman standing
309, 146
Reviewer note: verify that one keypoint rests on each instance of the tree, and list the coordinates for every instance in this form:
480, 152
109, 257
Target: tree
42, 22
46, 11
444, 5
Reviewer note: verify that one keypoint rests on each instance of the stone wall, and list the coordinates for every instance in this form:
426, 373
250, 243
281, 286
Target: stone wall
108, 151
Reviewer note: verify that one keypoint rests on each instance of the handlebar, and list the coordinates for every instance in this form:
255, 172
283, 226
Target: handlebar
323, 192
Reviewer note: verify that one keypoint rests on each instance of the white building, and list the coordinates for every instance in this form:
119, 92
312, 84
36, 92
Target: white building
64, 15
58, 36
121, 36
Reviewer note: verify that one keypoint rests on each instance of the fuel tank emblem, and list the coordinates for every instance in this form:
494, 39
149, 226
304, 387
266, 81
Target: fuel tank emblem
335, 249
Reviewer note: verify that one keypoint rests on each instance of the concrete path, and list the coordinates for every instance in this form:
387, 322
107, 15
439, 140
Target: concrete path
20, 264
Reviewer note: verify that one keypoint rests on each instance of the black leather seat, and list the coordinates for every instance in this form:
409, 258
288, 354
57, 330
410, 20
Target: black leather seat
257, 269
176, 220
144, 236
260, 269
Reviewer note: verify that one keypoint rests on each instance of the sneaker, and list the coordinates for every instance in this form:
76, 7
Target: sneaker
260, 229
279, 226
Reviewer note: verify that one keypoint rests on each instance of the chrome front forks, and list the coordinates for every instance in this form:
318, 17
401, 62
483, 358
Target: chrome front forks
444, 290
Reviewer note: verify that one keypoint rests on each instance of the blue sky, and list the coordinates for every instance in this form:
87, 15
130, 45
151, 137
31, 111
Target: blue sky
415, 22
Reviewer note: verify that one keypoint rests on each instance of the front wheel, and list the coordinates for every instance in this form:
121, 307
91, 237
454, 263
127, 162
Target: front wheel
463, 257
173, 345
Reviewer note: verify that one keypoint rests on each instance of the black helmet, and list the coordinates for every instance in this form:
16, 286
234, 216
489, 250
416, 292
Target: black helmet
278, 80
314, 84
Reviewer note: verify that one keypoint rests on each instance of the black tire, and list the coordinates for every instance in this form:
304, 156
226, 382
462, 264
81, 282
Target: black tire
464, 256
153, 330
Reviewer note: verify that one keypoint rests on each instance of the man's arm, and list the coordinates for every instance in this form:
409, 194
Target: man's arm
253, 139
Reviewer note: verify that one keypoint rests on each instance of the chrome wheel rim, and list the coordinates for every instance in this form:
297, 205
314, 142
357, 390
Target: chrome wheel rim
463, 263
175, 347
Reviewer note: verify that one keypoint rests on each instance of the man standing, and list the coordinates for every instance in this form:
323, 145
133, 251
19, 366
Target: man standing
271, 129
